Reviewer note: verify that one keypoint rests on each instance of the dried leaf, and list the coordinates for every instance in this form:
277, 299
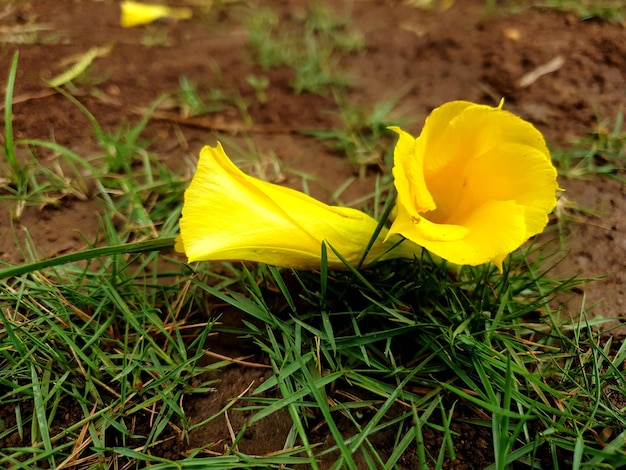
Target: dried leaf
79, 66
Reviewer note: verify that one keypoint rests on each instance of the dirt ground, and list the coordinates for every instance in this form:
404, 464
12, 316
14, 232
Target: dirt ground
422, 58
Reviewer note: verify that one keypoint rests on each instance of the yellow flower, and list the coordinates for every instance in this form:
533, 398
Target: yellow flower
474, 186
136, 14
228, 215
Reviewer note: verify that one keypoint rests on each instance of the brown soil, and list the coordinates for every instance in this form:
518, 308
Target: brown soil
423, 58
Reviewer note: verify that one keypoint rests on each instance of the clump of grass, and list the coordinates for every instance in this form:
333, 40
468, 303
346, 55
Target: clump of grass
603, 152
408, 339
89, 351
193, 99
311, 45
25, 180
606, 10
195, 103
135, 187
365, 138
260, 85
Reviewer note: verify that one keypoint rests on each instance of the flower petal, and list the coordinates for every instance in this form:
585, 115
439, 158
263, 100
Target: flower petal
422, 230
493, 230
408, 174
511, 172
459, 129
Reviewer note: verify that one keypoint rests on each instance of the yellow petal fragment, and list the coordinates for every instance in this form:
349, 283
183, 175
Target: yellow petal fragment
137, 14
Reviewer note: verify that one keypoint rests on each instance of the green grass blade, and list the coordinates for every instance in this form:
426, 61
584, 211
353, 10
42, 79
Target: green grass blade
158, 244
17, 174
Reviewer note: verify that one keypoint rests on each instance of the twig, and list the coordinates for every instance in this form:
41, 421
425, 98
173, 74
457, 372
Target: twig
236, 361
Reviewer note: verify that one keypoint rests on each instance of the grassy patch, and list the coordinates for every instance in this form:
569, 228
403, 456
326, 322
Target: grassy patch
365, 138
24, 180
311, 44
194, 102
88, 352
606, 10
603, 152
391, 350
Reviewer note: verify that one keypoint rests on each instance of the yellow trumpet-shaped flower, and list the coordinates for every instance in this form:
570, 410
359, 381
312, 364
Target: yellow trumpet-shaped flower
137, 14
475, 185
228, 215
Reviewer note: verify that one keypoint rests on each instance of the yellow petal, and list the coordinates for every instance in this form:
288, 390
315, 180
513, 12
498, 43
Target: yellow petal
136, 14
492, 230
460, 128
511, 172
228, 215
435, 134
422, 230
408, 174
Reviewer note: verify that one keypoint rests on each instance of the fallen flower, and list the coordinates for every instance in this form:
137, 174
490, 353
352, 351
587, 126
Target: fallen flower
228, 215
137, 14
474, 186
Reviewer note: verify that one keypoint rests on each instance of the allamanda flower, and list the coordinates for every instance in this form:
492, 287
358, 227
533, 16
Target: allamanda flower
476, 184
228, 215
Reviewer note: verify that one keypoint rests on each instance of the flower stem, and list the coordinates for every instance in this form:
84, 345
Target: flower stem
157, 244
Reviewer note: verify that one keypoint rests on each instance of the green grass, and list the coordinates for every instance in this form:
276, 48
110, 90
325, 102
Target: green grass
193, 99
107, 345
311, 44
365, 138
393, 349
608, 10
612, 11
15, 171
24, 180
194, 103
260, 85
602, 152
